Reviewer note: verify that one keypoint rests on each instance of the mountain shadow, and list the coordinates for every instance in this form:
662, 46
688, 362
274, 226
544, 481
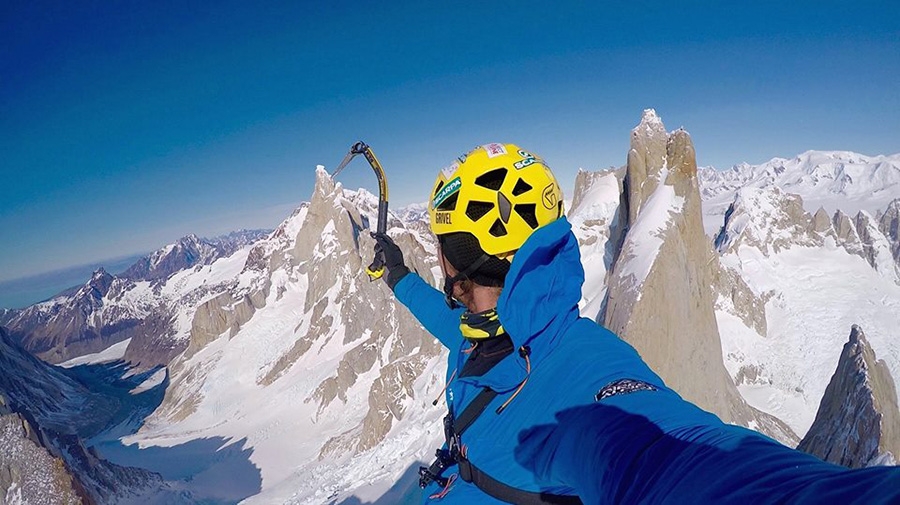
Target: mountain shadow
213, 470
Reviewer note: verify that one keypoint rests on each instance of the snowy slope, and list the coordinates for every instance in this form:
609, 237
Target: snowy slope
815, 296
311, 396
814, 283
595, 220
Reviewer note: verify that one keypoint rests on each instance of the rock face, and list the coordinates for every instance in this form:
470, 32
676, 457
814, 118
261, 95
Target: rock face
739, 299
28, 472
599, 222
821, 223
858, 422
44, 413
313, 266
889, 224
660, 296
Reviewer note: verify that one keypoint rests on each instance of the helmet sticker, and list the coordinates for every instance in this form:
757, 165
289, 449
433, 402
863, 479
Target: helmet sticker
493, 150
549, 198
445, 192
527, 159
450, 170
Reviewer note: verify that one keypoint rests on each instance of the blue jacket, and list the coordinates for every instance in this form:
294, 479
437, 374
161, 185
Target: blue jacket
556, 437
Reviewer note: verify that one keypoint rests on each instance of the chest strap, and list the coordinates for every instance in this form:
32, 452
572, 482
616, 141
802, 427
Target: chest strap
470, 473
453, 429
445, 458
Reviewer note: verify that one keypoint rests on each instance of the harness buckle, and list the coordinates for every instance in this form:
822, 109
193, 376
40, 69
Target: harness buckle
442, 460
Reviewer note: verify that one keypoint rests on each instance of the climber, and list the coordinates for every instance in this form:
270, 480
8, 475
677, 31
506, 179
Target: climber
548, 407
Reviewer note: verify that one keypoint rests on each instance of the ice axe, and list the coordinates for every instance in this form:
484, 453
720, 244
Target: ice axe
376, 269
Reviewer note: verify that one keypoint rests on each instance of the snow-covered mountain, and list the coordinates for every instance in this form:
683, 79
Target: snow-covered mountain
832, 180
109, 309
188, 252
305, 368
808, 281
309, 384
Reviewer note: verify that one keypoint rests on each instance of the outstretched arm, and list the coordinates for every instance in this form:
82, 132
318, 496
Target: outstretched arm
654, 447
425, 302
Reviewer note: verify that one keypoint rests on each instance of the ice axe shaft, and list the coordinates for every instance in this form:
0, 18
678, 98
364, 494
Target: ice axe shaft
376, 269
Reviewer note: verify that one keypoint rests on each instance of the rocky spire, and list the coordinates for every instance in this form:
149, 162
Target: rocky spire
821, 223
646, 159
660, 297
324, 247
889, 224
847, 236
858, 423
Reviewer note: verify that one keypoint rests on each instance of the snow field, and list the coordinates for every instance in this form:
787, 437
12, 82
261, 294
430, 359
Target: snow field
818, 294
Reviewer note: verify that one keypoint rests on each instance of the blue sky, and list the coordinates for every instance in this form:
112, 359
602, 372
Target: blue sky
125, 125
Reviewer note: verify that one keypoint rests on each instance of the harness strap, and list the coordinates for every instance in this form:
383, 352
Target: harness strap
473, 410
470, 473
452, 430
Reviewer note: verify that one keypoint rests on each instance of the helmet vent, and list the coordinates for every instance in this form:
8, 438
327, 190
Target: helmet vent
450, 203
521, 187
498, 230
526, 212
505, 206
476, 210
492, 180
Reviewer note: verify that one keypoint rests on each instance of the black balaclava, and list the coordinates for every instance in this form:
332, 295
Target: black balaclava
465, 254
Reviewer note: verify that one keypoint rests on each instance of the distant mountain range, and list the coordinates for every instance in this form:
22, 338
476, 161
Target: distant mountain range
22, 292
90, 317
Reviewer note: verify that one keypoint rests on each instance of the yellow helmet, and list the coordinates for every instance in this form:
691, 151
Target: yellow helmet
499, 193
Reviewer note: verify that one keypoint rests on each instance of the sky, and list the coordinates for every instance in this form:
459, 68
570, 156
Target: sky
126, 125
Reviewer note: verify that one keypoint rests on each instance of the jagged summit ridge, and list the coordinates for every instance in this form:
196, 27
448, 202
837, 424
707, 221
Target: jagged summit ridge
314, 344
188, 252
830, 179
858, 422
660, 297
139, 304
771, 220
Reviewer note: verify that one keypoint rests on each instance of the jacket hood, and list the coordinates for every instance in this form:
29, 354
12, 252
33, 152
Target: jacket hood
539, 300
543, 286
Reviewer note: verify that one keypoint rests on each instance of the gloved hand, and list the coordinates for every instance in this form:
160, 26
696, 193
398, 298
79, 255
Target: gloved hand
393, 259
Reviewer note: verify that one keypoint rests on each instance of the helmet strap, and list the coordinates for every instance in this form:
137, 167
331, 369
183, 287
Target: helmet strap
449, 282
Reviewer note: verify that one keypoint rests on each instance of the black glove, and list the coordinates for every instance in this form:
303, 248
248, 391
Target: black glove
393, 259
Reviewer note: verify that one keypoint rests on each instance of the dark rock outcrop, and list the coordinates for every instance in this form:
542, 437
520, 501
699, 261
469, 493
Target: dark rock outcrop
858, 422
29, 473
44, 413
889, 224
